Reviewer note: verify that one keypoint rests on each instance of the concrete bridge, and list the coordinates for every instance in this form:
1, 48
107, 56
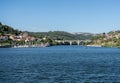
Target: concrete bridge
72, 41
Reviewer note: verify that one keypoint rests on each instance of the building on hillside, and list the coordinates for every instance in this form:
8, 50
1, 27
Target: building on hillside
3, 38
25, 35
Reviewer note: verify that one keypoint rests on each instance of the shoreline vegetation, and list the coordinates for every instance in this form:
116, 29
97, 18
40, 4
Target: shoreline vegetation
10, 37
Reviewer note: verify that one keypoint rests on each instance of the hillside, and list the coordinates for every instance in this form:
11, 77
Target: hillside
61, 35
12, 37
9, 35
5, 29
55, 35
110, 39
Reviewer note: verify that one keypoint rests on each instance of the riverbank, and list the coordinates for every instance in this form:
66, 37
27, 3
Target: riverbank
24, 46
6, 46
29, 46
47, 45
94, 45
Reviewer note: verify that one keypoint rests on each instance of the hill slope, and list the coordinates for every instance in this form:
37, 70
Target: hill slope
110, 39
5, 29
61, 35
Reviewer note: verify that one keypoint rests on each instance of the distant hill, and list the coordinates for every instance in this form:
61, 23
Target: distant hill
83, 35
61, 35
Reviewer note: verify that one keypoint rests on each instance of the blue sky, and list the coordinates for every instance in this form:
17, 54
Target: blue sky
95, 16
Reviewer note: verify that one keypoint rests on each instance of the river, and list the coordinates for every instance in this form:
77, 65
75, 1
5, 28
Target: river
60, 64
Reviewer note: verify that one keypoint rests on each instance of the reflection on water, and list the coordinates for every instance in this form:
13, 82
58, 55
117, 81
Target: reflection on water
60, 64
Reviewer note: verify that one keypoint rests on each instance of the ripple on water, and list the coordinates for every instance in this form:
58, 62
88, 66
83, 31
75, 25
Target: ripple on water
65, 64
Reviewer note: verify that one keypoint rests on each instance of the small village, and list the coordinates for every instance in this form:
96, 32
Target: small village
22, 40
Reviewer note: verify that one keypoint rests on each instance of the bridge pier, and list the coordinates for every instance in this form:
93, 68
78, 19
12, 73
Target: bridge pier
63, 42
78, 42
70, 43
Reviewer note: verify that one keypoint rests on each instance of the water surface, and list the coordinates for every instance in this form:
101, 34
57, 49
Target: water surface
60, 64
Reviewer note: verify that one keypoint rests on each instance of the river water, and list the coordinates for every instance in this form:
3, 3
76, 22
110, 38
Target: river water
60, 64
